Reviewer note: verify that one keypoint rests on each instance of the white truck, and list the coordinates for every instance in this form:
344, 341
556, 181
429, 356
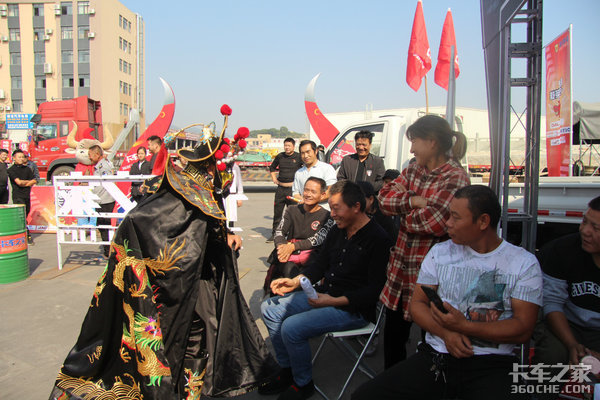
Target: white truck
561, 202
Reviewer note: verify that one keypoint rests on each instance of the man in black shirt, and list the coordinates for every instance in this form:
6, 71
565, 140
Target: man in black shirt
352, 264
21, 180
3, 176
287, 163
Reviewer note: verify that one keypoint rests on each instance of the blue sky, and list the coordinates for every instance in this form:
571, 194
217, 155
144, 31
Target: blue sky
258, 56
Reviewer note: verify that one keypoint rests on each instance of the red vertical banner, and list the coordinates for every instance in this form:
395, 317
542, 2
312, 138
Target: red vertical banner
559, 109
419, 54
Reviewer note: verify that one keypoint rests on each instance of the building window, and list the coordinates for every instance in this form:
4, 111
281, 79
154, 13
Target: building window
14, 34
15, 58
68, 82
66, 8
13, 10
130, 89
120, 21
120, 65
38, 34
16, 82
40, 83
38, 10
129, 51
66, 56
17, 106
83, 7
39, 58
83, 56
83, 32
84, 81
66, 32
129, 26
120, 43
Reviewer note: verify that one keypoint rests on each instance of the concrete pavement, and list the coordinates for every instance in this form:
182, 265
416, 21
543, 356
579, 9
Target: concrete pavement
42, 315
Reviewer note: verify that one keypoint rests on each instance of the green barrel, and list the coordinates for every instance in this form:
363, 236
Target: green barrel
14, 264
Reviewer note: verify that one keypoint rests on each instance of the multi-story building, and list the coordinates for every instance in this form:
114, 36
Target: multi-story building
56, 50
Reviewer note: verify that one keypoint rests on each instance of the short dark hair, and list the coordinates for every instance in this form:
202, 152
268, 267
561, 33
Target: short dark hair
96, 149
141, 148
351, 193
364, 135
305, 142
594, 204
391, 173
319, 181
367, 188
3, 151
154, 138
482, 200
17, 151
290, 140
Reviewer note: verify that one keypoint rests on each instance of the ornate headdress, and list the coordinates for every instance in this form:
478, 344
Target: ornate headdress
195, 182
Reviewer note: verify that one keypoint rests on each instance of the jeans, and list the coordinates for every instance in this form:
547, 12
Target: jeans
291, 322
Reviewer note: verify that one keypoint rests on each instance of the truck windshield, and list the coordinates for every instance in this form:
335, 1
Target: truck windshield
46, 131
345, 143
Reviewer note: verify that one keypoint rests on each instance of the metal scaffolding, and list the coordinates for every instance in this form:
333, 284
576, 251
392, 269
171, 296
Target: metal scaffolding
499, 20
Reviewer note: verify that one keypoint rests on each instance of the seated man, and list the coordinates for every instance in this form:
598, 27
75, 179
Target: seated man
352, 263
491, 291
302, 229
571, 267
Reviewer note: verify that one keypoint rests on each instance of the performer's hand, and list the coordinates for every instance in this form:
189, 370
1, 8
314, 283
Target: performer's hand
239, 203
234, 241
457, 344
282, 286
284, 251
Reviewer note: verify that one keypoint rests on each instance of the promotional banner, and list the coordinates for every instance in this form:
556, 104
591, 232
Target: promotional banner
7, 145
445, 58
42, 217
559, 105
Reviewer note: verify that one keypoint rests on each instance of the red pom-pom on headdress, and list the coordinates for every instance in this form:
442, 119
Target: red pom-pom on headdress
227, 140
221, 167
225, 148
242, 144
243, 132
219, 154
225, 109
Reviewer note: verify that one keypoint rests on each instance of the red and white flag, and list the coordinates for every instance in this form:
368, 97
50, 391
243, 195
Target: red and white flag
442, 69
419, 54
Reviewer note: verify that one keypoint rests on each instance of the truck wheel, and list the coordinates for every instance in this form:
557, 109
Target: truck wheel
63, 170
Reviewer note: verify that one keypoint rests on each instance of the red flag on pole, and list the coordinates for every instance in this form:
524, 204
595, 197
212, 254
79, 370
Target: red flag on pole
442, 69
419, 54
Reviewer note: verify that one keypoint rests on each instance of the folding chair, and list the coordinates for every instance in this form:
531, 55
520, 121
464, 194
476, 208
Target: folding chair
338, 339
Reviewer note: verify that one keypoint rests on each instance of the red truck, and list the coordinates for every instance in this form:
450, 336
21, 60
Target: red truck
52, 124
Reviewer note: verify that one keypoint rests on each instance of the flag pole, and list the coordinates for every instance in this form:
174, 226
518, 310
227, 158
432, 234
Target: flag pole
451, 99
426, 97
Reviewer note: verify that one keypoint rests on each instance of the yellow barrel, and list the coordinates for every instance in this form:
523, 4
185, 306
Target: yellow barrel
14, 263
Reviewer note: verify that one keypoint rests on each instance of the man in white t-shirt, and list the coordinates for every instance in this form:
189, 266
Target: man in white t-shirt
312, 167
491, 292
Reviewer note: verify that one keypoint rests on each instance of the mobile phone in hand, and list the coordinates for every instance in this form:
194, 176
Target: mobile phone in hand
434, 298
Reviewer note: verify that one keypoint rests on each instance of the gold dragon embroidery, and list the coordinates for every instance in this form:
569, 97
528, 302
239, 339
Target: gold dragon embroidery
144, 336
193, 386
165, 262
95, 355
89, 390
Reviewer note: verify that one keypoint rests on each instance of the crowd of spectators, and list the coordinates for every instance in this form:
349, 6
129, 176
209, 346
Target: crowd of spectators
446, 243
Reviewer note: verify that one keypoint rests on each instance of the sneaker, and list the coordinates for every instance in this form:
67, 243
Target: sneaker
295, 392
270, 240
277, 383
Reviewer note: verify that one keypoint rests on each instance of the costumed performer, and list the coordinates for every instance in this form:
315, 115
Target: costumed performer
167, 318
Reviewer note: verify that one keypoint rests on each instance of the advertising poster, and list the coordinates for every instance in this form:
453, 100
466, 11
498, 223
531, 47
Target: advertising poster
42, 217
559, 105
7, 145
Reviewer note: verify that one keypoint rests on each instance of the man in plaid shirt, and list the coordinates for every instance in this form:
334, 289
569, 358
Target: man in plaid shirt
421, 196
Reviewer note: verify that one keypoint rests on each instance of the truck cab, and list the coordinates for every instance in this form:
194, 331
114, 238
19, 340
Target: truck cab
52, 124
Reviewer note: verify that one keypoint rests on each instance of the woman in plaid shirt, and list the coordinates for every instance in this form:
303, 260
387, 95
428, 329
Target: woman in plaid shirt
421, 196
